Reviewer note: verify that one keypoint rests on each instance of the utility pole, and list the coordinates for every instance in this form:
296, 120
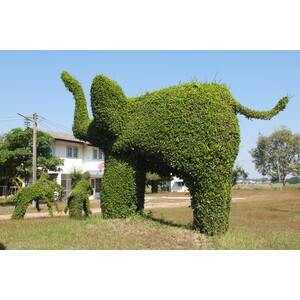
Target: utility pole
34, 148
34, 120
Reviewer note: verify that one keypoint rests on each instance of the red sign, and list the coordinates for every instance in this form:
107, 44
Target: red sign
101, 166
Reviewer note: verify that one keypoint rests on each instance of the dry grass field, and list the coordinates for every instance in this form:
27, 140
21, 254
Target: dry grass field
260, 219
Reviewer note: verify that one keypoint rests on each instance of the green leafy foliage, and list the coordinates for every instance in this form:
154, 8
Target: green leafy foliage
263, 115
42, 189
118, 195
190, 130
75, 176
81, 114
78, 200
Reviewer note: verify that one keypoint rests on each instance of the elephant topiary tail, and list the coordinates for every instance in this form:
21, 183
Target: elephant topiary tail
263, 115
81, 117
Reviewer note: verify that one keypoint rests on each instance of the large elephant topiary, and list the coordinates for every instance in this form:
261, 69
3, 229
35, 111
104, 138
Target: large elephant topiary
190, 130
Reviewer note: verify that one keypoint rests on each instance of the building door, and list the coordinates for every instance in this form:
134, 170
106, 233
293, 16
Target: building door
96, 184
66, 182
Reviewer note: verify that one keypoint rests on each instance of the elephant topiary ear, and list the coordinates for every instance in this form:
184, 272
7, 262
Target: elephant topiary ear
108, 101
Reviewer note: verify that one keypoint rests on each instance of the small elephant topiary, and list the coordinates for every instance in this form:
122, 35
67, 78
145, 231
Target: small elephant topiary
190, 130
42, 189
78, 200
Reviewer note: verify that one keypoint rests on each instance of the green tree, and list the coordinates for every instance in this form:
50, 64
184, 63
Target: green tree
16, 154
238, 172
155, 180
278, 155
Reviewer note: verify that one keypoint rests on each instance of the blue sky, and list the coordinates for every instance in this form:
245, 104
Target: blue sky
30, 82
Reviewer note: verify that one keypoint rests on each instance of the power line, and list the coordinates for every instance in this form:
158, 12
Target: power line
10, 119
45, 126
7, 118
61, 127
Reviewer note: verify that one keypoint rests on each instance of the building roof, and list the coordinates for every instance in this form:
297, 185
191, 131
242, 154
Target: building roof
61, 136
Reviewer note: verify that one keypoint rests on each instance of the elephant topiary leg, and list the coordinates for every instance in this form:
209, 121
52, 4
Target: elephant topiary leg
211, 199
87, 207
23, 201
49, 201
20, 210
140, 176
75, 204
119, 191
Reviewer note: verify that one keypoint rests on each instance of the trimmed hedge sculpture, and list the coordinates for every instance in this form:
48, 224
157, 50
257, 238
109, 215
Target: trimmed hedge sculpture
190, 130
42, 189
78, 199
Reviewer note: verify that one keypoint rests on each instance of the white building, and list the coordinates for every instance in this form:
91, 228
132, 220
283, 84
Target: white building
80, 155
177, 185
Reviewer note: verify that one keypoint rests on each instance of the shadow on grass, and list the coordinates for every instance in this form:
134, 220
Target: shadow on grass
7, 204
2, 247
167, 223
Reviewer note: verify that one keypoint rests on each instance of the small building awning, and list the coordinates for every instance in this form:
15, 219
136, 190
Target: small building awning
96, 172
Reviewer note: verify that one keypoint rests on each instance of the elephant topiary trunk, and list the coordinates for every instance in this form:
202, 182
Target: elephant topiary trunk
190, 130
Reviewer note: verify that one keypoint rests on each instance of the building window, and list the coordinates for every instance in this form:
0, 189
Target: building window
180, 183
72, 152
75, 152
97, 154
